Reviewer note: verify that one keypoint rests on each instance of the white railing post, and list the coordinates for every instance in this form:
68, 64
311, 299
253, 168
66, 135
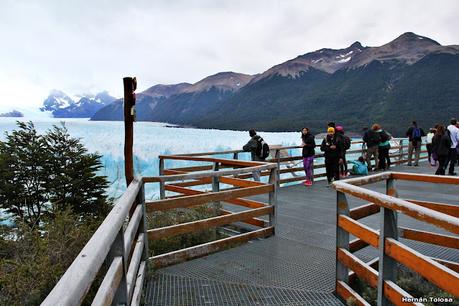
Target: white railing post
162, 191
342, 237
388, 229
273, 180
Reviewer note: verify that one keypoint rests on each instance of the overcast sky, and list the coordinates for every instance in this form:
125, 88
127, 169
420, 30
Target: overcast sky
89, 46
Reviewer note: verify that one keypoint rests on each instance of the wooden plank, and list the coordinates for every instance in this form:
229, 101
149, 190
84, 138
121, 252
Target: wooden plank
357, 244
252, 221
195, 226
346, 292
174, 257
223, 161
362, 270
450, 209
372, 263
300, 178
202, 181
172, 172
77, 279
450, 264
131, 230
107, 289
433, 271
199, 199
427, 178
240, 202
418, 212
359, 230
429, 237
396, 295
193, 169
364, 211
137, 295
135, 264
239, 182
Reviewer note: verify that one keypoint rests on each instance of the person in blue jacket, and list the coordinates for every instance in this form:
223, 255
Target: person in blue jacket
359, 167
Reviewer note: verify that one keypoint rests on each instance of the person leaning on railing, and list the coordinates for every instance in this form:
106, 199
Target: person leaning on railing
251, 147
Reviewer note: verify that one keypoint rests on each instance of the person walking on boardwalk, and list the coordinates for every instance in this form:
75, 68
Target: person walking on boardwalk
441, 146
383, 149
372, 139
346, 146
257, 148
414, 134
453, 132
308, 143
333, 151
429, 138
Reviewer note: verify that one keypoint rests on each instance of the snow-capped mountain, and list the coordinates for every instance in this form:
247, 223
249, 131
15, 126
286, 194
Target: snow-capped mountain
61, 105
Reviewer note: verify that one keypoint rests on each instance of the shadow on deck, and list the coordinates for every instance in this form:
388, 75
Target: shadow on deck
297, 265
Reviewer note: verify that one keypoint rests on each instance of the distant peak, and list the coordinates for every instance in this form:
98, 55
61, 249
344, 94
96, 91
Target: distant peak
356, 45
409, 37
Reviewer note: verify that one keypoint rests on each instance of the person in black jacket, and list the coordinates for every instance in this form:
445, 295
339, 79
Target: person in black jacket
441, 144
308, 144
333, 151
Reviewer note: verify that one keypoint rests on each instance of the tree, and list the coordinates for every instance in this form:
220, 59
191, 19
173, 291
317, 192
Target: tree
43, 174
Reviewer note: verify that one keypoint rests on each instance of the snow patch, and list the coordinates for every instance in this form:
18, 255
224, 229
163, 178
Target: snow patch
344, 60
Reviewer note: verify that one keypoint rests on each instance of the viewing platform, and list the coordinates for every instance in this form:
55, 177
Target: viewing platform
296, 266
289, 244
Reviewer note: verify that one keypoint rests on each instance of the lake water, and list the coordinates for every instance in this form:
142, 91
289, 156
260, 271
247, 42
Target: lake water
150, 140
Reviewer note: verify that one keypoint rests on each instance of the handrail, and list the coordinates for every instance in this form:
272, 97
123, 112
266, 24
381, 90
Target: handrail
391, 251
77, 279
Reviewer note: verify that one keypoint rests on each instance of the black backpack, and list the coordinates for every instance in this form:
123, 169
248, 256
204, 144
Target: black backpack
262, 149
347, 142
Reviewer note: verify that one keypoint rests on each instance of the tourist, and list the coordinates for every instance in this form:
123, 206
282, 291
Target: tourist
429, 138
359, 167
372, 139
383, 149
333, 152
308, 143
454, 135
441, 145
414, 134
252, 146
346, 146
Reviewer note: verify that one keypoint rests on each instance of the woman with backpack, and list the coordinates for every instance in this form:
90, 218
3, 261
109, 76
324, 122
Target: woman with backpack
441, 144
346, 146
383, 149
332, 147
308, 143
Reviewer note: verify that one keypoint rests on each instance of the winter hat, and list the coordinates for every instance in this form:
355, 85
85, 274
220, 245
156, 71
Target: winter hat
331, 130
339, 128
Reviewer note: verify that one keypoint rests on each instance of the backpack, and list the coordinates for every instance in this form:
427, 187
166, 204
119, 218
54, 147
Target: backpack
347, 142
416, 133
262, 149
384, 136
373, 138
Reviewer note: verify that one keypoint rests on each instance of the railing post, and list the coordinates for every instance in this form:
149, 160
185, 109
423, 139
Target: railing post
143, 226
400, 150
216, 187
273, 180
162, 190
342, 237
277, 157
387, 266
117, 250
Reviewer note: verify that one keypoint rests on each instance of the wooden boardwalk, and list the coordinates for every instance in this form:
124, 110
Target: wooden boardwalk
297, 265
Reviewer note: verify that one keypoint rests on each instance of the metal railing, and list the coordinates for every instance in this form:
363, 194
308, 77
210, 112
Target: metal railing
121, 241
444, 274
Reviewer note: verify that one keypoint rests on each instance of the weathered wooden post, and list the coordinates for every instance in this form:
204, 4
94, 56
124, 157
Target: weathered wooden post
130, 85
387, 266
216, 188
273, 180
277, 157
117, 252
342, 238
162, 190
400, 150
143, 226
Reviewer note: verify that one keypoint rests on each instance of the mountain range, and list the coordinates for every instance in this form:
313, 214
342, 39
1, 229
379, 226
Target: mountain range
410, 78
60, 105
